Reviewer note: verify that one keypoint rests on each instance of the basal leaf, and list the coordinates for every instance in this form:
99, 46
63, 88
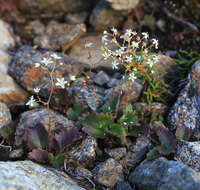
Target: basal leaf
97, 124
57, 161
168, 141
152, 154
66, 137
61, 101
134, 131
75, 112
5, 131
36, 136
110, 106
183, 133
39, 155
118, 131
128, 119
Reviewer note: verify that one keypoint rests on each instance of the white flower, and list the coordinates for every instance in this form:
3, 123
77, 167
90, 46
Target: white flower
88, 44
155, 58
155, 43
132, 77
104, 39
118, 53
46, 61
150, 62
115, 64
61, 82
105, 32
37, 64
138, 58
72, 78
106, 55
114, 30
135, 44
152, 71
55, 56
36, 90
145, 35
122, 37
134, 33
32, 102
123, 48
129, 32
129, 58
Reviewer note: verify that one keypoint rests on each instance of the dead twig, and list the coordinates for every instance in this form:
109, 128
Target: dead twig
180, 20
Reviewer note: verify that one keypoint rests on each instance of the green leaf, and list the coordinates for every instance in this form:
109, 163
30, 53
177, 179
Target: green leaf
152, 154
129, 118
75, 112
118, 131
56, 161
97, 124
183, 133
39, 155
129, 109
110, 106
168, 141
5, 131
36, 136
134, 131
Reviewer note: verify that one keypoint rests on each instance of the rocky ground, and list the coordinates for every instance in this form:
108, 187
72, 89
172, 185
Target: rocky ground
30, 30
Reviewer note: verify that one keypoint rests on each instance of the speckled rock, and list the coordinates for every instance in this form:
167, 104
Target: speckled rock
58, 36
10, 91
161, 174
113, 82
52, 8
16, 154
89, 95
4, 60
116, 153
32, 29
130, 90
5, 116
76, 18
108, 173
101, 78
83, 172
23, 69
137, 152
82, 155
36, 116
122, 185
6, 36
26, 175
123, 4
155, 107
189, 154
103, 16
186, 110
80, 53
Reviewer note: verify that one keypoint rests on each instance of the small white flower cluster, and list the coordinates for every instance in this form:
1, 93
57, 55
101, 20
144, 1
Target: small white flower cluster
129, 53
45, 62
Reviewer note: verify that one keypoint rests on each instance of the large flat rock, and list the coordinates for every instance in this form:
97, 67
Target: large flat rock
27, 175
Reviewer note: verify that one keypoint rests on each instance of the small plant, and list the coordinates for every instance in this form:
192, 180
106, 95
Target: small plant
132, 52
186, 59
58, 94
49, 149
47, 146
